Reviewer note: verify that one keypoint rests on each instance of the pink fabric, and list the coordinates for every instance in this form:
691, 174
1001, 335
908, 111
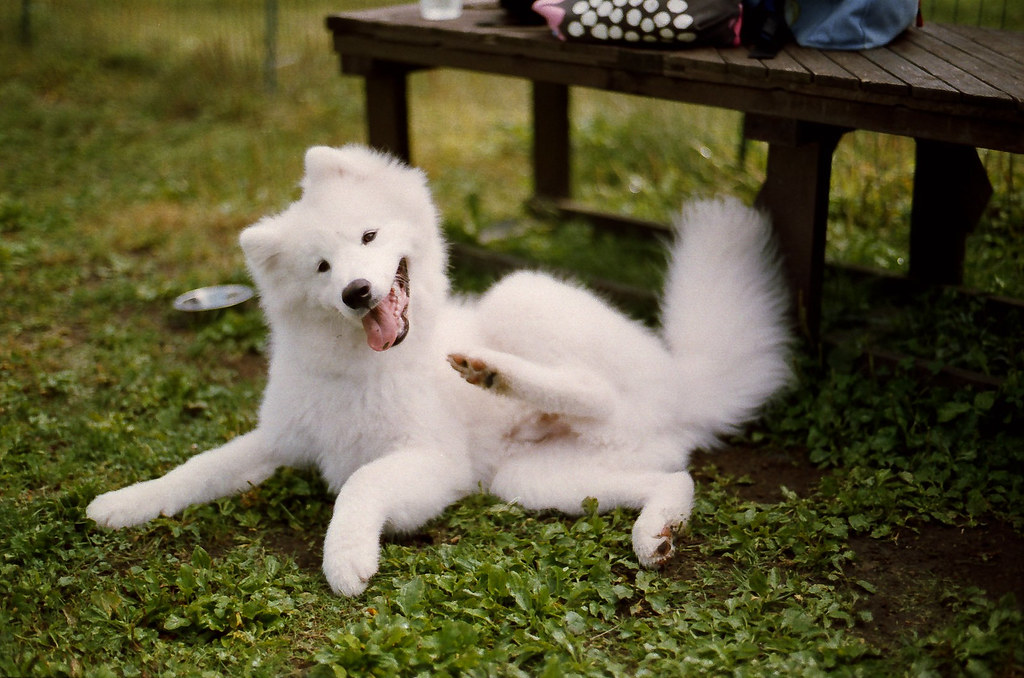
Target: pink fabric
552, 13
737, 27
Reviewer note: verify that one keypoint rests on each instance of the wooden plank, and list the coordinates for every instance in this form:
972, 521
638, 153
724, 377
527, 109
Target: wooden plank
406, 28
945, 121
935, 57
638, 60
474, 57
871, 77
967, 40
784, 68
823, 70
712, 64
739, 63
993, 68
1005, 42
789, 132
615, 223
922, 83
701, 63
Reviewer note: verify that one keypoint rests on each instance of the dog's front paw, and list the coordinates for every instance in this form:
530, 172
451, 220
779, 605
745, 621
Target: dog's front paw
349, 565
126, 507
476, 371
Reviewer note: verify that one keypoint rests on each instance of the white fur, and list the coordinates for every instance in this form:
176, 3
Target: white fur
555, 396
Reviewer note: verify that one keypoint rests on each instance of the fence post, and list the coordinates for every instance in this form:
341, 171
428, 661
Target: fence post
270, 47
25, 29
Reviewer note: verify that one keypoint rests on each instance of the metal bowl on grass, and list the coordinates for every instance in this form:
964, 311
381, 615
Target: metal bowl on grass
213, 298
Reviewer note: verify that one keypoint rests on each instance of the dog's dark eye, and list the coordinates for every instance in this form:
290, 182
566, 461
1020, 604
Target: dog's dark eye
323, 266
368, 237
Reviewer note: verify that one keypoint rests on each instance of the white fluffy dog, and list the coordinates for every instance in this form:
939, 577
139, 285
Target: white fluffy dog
554, 397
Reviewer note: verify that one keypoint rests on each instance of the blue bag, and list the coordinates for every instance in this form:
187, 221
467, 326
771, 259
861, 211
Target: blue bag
849, 24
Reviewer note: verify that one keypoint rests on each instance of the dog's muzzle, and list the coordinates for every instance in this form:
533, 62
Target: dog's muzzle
387, 323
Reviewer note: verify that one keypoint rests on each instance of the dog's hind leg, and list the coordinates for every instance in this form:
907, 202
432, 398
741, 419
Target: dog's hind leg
555, 389
563, 481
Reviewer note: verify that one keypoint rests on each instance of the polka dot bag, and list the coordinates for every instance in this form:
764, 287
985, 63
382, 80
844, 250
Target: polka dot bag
644, 22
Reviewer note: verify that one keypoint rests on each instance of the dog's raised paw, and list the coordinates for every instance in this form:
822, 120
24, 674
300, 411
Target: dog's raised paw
475, 371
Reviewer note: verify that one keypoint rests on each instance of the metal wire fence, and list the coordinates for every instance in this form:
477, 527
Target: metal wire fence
258, 35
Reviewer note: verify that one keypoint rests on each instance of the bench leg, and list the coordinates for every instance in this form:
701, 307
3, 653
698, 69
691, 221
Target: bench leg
951, 190
550, 141
795, 193
387, 111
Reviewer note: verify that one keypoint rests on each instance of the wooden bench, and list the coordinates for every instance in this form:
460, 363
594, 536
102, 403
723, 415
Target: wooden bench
952, 88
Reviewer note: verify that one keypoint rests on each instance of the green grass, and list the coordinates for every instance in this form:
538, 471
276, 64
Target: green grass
132, 154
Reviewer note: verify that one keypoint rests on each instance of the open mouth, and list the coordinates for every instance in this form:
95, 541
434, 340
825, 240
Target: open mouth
387, 323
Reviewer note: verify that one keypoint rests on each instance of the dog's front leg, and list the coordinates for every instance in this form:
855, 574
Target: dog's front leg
230, 468
401, 491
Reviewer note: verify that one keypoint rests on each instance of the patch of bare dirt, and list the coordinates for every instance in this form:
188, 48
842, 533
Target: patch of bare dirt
912, 569
760, 475
304, 548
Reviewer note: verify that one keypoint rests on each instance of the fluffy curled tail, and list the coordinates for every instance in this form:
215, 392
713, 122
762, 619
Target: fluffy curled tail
725, 318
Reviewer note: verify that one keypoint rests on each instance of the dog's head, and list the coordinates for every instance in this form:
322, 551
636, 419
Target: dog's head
361, 244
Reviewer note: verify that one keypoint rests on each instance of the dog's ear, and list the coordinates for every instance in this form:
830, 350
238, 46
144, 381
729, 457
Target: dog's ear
261, 244
352, 161
322, 161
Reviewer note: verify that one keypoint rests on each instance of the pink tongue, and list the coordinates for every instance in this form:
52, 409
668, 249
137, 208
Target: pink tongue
383, 323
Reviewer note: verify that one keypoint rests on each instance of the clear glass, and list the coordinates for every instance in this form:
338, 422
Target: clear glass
439, 10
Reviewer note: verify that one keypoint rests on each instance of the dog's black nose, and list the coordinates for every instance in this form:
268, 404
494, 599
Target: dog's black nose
357, 294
